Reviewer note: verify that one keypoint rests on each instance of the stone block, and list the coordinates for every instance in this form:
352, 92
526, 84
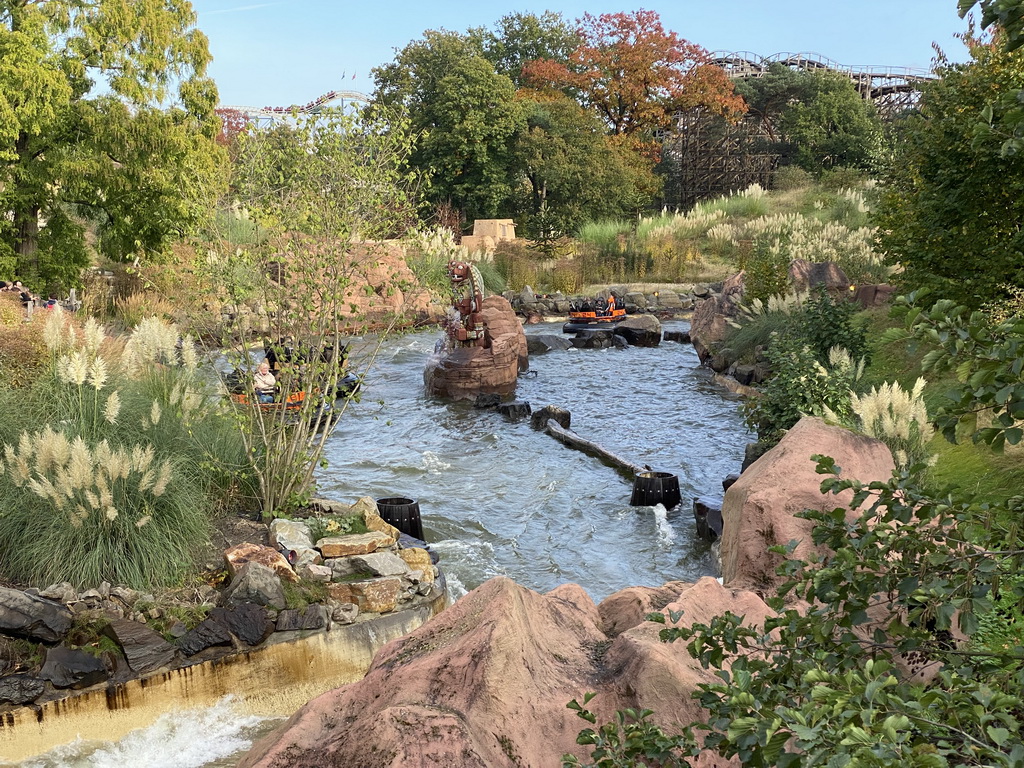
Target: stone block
379, 595
240, 554
418, 559
289, 534
356, 543
380, 564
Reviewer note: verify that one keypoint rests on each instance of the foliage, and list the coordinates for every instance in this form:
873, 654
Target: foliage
800, 385
635, 75
767, 269
323, 191
520, 38
334, 525
106, 124
299, 596
829, 322
464, 114
988, 360
809, 687
121, 481
22, 352
951, 203
814, 120
629, 741
758, 321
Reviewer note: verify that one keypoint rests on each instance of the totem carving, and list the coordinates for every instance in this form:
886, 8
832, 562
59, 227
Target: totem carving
469, 328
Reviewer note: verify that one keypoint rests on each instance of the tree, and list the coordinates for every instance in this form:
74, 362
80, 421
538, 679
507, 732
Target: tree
574, 172
635, 75
815, 120
325, 191
106, 121
465, 115
952, 204
521, 38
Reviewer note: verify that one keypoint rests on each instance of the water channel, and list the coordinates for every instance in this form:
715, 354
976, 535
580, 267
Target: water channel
500, 498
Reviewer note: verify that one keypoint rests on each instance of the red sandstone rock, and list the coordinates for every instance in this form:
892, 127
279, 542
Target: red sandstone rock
630, 606
485, 684
353, 544
709, 323
805, 275
759, 509
240, 554
379, 595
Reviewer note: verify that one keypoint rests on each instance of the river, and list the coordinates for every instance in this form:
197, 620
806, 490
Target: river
500, 498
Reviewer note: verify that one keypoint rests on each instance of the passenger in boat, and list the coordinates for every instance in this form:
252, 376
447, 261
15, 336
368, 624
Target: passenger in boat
264, 383
611, 303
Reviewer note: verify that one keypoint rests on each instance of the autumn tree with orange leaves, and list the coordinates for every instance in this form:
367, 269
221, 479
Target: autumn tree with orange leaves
636, 75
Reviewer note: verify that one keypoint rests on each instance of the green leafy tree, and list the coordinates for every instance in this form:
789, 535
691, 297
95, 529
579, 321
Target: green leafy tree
520, 38
466, 117
815, 120
951, 208
574, 172
324, 191
106, 121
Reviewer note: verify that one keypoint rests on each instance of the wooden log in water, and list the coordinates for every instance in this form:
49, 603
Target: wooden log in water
573, 440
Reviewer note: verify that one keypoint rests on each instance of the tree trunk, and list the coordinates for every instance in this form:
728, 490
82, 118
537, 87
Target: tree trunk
26, 223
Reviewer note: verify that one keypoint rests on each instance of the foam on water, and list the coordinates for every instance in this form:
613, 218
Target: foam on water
184, 739
666, 533
433, 464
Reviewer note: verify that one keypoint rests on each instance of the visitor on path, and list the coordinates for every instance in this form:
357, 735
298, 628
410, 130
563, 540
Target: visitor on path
264, 383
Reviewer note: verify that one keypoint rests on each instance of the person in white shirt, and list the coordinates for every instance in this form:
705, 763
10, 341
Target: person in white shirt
264, 383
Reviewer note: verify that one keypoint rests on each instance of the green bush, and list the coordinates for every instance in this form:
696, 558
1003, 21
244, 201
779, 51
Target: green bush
828, 322
791, 177
767, 269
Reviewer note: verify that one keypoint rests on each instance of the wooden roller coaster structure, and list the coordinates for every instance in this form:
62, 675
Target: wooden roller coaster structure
711, 157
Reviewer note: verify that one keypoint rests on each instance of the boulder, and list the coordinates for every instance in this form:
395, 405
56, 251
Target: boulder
241, 554
20, 689
313, 572
289, 534
805, 275
759, 509
640, 330
366, 507
418, 559
72, 668
248, 622
353, 544
636, 299
35, 618
599, 339
144, 649
629, 607
313, 617
707, 514
709, 323
377, 595
542, 343
485, 683
255, 583
207, 634
680, 337
379, 564
515, 410
873, 295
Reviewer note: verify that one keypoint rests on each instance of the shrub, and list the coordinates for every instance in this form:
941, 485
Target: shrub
828, 322
898, 418
791, 177
767, 269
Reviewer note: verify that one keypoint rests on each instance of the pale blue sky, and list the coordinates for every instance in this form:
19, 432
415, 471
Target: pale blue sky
283, 53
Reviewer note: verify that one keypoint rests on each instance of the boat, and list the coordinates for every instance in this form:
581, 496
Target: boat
593, 315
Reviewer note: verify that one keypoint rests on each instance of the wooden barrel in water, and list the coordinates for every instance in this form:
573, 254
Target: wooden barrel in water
650, 488
402, 513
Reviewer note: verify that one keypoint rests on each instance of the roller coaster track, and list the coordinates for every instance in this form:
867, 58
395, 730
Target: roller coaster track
263, 115
891, 89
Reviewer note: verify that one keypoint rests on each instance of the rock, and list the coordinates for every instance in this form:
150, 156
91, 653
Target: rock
517, 409
681, 337
313, 617
35, 618
669, 300
255, 583
599, 339
353, 544
380, 564
873, 295
126, 595
341, 567
709, 323
707, 513
805, 275
379, 595
367, 508
20, 689
240, 554
729, 383
248, 622
304, 557
342, 613
487, 400
62, 592
629, 607
752, 452
542, 343
636, 299
207, 634
329, 506
640, 330
418, 559
728, 481
484, 684
744, 374
759, 509
539, 419
144, 649
71, 668
289, 534
311, 572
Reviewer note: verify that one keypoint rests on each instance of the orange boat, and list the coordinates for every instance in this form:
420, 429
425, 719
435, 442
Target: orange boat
590, 315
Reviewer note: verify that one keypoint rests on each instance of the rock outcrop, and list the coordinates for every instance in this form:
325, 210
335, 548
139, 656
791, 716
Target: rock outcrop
759, 509
485, 684
711, 317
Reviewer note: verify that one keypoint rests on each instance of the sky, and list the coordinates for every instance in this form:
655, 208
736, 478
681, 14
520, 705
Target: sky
290, 52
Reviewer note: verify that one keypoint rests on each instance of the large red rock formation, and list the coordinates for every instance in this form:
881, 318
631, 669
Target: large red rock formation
759, 510
485, 684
